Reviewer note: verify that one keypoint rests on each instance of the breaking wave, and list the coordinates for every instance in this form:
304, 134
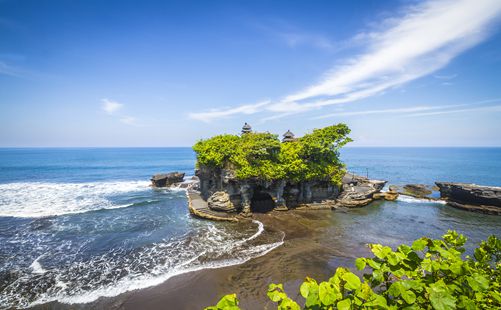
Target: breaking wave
410, 199
52, 199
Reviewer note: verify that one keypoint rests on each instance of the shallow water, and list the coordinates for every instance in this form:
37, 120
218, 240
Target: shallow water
78, 224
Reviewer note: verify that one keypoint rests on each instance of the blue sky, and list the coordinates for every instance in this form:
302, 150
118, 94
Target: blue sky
167, 73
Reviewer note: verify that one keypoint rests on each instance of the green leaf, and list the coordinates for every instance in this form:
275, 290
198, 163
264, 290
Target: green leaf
327, 293
373, 263
352, 281
360, 263
344, 304
376, 301
409, 297
288, 304
439, 296
228, 302
379, 250
478, 282
308, 287
276, 292
419, 244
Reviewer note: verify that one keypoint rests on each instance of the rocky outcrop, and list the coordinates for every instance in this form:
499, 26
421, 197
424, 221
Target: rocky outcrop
416, 190
166, 179
472, 197
390, 195
358, 191
257, 195
220, 201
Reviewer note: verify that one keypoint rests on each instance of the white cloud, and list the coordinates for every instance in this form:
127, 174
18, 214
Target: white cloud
217, 114
422, 40
484, 105
110, 106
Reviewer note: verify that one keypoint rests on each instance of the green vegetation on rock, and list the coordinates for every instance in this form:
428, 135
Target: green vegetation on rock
262, 155
429, 274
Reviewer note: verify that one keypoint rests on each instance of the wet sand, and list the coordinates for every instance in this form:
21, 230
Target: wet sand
304, 253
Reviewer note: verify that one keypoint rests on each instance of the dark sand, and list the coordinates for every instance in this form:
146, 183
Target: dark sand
304, 253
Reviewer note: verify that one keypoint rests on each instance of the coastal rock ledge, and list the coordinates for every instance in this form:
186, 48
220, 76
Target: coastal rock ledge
166, 179
471, 197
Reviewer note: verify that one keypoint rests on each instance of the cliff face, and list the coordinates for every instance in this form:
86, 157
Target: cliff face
254, 195
472, 197
224, 192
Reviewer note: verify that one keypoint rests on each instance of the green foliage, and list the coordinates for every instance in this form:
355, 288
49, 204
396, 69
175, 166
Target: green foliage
261, 155
227, 302
429, 274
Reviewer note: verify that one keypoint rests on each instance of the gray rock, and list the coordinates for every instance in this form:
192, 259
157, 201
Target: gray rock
416, 190
166, 179
358, 191
220, 201
472, 197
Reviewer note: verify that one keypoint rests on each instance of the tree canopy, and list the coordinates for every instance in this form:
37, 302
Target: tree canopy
262, 155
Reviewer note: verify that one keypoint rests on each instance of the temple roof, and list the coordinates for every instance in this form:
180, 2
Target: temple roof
288, 136
246, 128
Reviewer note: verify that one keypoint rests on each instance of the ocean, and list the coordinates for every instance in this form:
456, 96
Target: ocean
77, 224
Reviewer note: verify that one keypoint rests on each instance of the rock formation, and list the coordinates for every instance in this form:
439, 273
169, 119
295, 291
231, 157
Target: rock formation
472, 197
220, 201
166, 179
224, 192
358, 191
416, 190
390, 195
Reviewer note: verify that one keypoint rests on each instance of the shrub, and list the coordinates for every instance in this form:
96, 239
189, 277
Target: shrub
261, 155
429, 274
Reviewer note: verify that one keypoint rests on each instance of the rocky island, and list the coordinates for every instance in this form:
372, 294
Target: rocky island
238, 175
256, 172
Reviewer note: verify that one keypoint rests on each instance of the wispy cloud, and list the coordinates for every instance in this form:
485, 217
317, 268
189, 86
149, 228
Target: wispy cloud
217, 114
494, 108
110, 106
484, 105
418, 42
293, 37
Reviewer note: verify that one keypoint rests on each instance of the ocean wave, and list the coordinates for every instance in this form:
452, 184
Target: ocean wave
410, 199
118, 271
51, 199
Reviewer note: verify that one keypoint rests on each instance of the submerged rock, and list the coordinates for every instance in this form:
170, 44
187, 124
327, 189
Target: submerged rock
166, 179
471, 197
220, 201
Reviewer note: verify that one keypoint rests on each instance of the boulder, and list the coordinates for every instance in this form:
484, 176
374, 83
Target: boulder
416, 190
472, 197
390, 195
166, 179
358, 191
220, 201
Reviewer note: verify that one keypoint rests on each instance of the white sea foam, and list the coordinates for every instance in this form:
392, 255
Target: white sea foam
410, 199
216, 242
49, 199
37, 267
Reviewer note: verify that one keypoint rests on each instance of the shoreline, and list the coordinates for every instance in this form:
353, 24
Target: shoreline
301, 254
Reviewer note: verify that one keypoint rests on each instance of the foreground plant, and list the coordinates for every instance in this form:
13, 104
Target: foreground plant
429, 274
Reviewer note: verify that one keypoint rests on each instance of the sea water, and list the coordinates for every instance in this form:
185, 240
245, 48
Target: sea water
82, 223
79, 224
